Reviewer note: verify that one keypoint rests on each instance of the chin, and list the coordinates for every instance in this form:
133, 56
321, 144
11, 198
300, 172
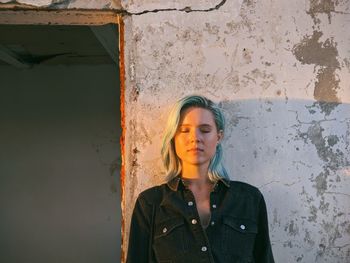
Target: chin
197, 162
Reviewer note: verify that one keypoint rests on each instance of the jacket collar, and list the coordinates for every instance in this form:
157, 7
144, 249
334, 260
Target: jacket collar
176, 181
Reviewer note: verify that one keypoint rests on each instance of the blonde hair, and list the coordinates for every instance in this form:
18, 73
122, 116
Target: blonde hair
171, 161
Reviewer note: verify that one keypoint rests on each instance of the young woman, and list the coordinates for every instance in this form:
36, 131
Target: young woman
199, 215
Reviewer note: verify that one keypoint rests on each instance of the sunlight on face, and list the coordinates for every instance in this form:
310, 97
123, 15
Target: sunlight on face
196, 137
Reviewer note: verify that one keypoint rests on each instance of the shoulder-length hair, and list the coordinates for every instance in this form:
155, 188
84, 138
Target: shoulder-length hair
171, 161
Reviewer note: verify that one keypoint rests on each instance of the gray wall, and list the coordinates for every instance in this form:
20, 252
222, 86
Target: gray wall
59, 164
280, 70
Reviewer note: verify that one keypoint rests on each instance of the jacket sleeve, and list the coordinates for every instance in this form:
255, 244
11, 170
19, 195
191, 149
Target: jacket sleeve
262, 247
140, 247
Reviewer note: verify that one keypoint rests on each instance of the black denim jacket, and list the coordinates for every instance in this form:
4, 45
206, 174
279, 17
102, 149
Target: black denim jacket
165, 226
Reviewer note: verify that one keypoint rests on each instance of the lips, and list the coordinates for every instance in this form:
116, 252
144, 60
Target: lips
195, 150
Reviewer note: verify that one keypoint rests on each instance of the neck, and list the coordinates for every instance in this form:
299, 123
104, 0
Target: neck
195, 173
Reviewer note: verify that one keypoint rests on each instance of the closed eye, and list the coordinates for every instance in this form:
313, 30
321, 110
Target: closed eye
202, 129
184, 130
205, 130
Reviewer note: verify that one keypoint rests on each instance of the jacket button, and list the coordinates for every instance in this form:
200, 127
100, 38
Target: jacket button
242, 227
190, 203
165, 230
204, 249
194, 221
214, 205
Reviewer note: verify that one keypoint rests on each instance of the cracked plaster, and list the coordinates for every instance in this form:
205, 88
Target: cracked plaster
133, 7
281, 79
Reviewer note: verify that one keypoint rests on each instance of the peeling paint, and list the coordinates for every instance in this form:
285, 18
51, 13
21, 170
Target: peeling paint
347, 63
321, 183
311, 51
348, 229
334, 160
324, 206
60, 3
321, 7
324, 55
332, 140
308, 239
326, 88
292, 228
313, 214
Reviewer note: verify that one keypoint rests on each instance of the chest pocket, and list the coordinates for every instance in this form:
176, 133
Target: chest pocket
239, 236
169, 238
165, 228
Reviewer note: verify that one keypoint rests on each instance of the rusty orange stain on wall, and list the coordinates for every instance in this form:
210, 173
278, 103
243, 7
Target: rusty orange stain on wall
123, 126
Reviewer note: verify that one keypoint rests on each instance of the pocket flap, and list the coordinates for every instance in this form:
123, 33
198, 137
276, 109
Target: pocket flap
242, 225
166, 227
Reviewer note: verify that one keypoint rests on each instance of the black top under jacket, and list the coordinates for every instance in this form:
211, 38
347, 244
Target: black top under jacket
165, 226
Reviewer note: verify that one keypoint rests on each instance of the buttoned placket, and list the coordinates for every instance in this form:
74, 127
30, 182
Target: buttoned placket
196, 226
213, 206
214, 209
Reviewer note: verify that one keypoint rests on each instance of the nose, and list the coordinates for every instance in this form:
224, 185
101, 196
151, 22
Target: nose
195, 135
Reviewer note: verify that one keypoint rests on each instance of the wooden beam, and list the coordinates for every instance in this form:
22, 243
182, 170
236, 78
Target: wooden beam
51, 5
12, 58
108, 37
58, 17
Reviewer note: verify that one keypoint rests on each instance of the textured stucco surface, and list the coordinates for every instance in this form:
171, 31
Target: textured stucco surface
281, 72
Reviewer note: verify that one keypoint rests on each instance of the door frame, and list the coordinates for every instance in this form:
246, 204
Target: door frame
13, 14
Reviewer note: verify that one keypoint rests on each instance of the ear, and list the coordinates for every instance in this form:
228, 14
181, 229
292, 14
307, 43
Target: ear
220, 136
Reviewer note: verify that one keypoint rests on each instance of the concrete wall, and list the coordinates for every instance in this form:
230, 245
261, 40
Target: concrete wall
281, 72
59, 164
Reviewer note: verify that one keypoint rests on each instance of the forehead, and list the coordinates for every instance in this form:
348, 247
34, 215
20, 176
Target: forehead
197, 116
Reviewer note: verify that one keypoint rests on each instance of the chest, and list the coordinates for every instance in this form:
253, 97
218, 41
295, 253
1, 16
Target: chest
202, 200
229, 234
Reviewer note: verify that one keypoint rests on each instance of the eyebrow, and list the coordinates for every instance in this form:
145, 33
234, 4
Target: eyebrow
200, 125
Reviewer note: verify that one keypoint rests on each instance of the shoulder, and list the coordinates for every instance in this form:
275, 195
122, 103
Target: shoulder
245, 189
153, 195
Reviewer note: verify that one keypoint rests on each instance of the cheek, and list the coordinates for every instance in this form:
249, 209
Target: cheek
181, 138
212, 139
179, 143
213, 149
212, 144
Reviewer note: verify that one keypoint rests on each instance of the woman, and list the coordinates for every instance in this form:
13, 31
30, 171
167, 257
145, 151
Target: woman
199, 215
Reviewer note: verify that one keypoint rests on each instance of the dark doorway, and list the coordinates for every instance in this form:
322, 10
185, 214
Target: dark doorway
59, 144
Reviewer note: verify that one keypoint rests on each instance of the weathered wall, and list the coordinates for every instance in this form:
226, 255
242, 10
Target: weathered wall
281, 72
